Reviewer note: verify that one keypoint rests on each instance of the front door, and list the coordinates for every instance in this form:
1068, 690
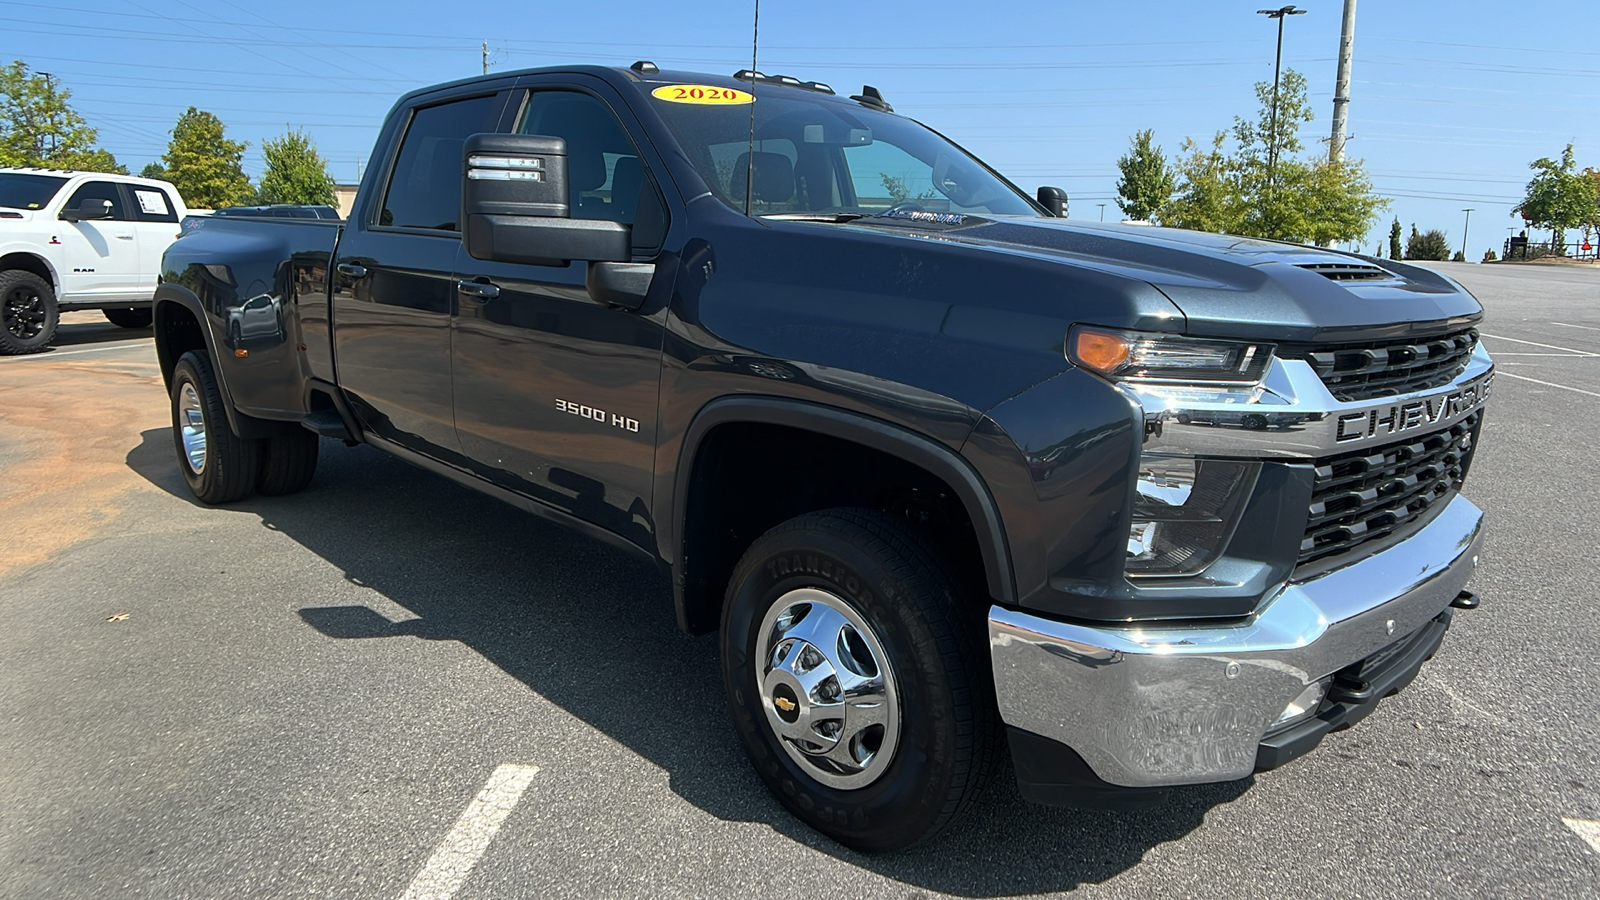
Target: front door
395, 291
100, 258
556, 394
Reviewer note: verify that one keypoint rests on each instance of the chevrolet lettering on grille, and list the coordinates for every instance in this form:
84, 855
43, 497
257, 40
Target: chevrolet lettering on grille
1428, 412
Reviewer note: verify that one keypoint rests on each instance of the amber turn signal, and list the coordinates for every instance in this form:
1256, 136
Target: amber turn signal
1100, 351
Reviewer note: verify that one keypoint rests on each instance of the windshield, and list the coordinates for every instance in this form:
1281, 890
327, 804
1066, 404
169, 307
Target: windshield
23, 191
816, 155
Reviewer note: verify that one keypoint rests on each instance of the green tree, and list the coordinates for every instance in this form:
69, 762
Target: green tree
1264, 189
1395, 251
38, 127
295, 172
204, 164
1432, 244
1559, 197
1208, 196
1147, 184
153, 170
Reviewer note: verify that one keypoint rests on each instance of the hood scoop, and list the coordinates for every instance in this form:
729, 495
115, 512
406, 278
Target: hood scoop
1347, 271
1344, 271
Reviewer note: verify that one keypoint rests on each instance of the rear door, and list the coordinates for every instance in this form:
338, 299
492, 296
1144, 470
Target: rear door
100, 256
155, 218
394, 290
555, 394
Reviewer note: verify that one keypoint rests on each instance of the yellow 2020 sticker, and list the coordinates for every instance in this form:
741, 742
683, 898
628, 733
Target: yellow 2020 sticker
700, 93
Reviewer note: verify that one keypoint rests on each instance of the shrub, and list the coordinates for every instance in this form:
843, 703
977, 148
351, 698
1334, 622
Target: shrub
1488, 256
1458, 257
1430, 244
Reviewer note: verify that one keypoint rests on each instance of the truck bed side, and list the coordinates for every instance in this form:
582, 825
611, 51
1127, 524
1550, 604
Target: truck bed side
255, 294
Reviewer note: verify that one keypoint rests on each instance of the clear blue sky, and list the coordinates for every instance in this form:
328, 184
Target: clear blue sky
1449, 104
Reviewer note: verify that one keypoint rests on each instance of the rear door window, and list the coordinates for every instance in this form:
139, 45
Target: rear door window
425, 187
151, 204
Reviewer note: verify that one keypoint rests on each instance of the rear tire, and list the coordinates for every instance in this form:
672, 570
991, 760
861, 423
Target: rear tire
858, 680
219, 466
288, 461
28, 313
129, 318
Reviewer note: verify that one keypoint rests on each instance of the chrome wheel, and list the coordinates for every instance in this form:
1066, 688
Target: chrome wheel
192, 427
827, 688
24, 312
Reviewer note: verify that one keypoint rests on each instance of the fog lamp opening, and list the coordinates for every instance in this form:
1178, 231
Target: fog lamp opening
1304, 705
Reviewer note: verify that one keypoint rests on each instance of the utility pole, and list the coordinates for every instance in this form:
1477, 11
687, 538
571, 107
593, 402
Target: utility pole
485, 57
50, 88
1464, 228
1280, 14
1102, 212
1341, 85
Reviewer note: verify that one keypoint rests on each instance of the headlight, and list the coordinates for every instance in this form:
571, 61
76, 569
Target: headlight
1142, 356
1184, 512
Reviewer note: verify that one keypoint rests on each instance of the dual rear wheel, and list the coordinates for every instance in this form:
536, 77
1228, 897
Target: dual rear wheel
220, 466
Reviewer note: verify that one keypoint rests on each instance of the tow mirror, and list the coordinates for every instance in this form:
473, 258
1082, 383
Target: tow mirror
88, 209
514, 205
1054, 199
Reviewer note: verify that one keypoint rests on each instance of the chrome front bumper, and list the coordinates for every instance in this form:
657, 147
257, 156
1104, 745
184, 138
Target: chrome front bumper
1147, 705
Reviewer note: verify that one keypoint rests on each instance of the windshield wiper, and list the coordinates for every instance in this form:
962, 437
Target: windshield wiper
817, 217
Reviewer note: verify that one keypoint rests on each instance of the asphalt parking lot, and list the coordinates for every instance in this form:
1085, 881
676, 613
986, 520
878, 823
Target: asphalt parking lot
361, 690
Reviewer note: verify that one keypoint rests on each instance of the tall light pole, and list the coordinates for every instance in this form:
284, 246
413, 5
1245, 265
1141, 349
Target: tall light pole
1102, 212
1464, 228
1280, 14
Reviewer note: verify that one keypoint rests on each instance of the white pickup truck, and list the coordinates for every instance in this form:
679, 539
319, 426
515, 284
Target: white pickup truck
79, 240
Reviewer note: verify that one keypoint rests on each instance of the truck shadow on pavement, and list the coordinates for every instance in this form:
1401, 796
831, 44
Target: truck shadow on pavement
588, 628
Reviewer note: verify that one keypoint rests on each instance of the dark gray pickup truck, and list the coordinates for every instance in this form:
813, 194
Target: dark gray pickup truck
952, 476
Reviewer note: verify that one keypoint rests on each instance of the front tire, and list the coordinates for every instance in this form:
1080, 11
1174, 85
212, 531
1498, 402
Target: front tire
28, 313
219, 466
857, 679
129, 318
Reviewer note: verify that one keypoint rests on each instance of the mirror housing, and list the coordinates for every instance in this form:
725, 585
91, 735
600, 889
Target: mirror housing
1054, 199
88, 209
514, 205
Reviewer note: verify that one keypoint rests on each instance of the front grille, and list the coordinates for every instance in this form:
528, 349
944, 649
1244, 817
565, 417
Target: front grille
1366, 494
1385, 369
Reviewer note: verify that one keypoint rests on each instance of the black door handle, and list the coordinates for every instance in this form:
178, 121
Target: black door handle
480, 289
352, 271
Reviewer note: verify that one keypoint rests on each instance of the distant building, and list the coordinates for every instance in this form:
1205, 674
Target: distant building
345, 198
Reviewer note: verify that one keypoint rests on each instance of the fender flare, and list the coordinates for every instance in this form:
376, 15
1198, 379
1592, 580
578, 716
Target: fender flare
169, 292
53, 274
937, 459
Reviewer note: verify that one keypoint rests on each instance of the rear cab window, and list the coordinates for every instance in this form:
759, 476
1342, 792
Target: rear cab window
424, 189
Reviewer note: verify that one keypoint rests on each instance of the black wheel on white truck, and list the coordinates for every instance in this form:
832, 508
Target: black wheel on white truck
29, 312
858, 686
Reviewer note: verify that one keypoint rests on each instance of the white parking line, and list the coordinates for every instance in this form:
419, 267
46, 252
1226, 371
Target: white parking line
1537, 344
447, 869
1588, 829
1570, 325
1546, 383
55, 353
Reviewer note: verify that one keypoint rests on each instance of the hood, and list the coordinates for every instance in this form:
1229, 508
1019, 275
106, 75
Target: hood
1230, 286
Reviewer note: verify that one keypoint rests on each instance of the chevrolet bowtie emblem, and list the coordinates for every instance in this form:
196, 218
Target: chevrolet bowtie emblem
783, 703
